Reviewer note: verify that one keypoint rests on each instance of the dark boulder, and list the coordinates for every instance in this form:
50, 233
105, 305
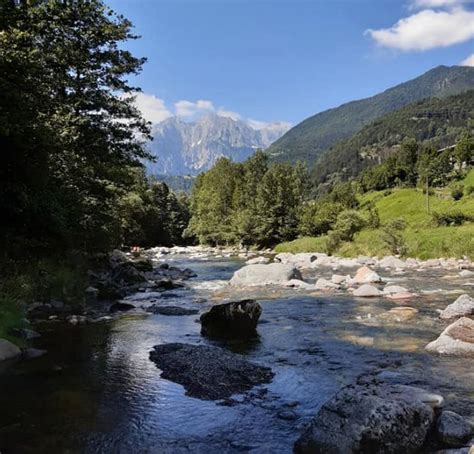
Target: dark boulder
206, 372
171, 310
232, 320
167, 284
127, 274
143, 264
452, 429
121, 307
371, 418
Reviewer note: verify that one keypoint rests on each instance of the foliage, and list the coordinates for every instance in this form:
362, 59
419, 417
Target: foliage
318, 217
457, 193
393, 236
453, 217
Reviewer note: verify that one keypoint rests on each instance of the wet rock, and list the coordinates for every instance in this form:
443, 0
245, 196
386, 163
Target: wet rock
393, 289
368, 418
339, 279
171, 310
287, 415
324, 284
463, 306
108, 290
127, 274
167, 284
271, 274
206, 372
258, 260
452, 429
8, 350
24, 333
401, 296
391, 262
365, 275
117, 258
456, 339
237, 319
399, 314
466, 273
143, 264
297, 283
367, 291
33, 353
76, 319
121, 307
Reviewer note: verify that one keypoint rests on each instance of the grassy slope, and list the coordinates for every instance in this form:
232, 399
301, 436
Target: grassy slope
423, 239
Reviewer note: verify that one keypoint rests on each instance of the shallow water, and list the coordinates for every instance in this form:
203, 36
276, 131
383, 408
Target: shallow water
97, 391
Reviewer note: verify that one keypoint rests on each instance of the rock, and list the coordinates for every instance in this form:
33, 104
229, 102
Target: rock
391, 262
24, 333
365, 275
340, 279
400, 296
452, 429
271, 274
8, 350
127, 274
297, 283
463, 306
367, 290
76, 319
456, 339
287, 415
431, 263
232, 320
167, 284
117, 258
171, 310
368, 419
207, 372
32, 353
324, 284
466, 273
143, 264
399, 314
121, 307
392, 289
258, 260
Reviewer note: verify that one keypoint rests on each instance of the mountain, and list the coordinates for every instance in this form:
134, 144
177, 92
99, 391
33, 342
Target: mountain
433, 121
310, 138
188, 148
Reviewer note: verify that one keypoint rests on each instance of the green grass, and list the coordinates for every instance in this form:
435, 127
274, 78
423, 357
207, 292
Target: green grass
423, 239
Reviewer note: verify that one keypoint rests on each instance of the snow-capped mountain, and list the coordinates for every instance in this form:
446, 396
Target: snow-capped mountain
188, 148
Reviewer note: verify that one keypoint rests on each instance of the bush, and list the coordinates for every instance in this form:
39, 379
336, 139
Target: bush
469, 190
348, 223
451, 218
457, 193
393, 236
317, 218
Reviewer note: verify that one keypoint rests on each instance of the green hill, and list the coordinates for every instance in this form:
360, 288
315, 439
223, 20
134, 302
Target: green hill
310, 138
435, 121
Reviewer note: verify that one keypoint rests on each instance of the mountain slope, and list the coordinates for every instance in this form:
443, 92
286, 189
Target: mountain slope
433, 120
183, 148
310, 138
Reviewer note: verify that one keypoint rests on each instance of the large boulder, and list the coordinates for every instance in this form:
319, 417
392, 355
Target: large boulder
258, 260
452, 429
365, 275
271, 274
301, 260
127, 274
232, 320
8, 350
463, 306
456, 339
369, 419
207, 372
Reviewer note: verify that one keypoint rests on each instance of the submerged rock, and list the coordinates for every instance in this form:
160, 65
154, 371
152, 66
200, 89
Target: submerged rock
463, 306
232, 320
171, 310
271, 274
206, 372
8, 350
121, 307
369, 419
365, 275
452, 429
456, 339
399, 314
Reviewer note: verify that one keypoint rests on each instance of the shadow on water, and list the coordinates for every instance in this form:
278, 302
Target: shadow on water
97, 391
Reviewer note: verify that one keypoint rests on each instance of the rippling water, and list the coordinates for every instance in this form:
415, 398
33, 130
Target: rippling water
97, 391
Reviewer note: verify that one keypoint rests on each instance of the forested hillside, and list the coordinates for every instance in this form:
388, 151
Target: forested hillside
434, 122
310, 138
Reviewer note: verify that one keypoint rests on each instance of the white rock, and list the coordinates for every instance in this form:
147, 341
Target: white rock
367, 290
324, 284
340, 279
392, 289
466, 273
463, 306
8, 350
258, 260
365, 275
271, 274
391, 262
297, 283
456, 340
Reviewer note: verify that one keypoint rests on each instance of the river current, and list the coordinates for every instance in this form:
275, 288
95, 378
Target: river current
96, 391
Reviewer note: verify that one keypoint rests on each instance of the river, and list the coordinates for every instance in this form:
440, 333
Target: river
96, 391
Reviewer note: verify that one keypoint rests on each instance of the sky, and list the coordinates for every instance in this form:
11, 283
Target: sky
267, 61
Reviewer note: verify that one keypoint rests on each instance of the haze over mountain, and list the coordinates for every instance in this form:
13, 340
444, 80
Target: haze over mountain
188, 148
309, 139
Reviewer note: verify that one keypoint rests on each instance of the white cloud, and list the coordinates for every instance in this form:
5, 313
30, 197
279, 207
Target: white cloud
151, 107
469, 61
436, 3
189, 109
229, 114
427, 29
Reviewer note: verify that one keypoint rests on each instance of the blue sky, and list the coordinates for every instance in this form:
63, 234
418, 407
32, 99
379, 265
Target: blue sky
284, 60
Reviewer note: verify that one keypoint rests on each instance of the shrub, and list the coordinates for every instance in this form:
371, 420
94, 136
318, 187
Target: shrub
393, 236
317, 218
457, 193
469, 190
451, 218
